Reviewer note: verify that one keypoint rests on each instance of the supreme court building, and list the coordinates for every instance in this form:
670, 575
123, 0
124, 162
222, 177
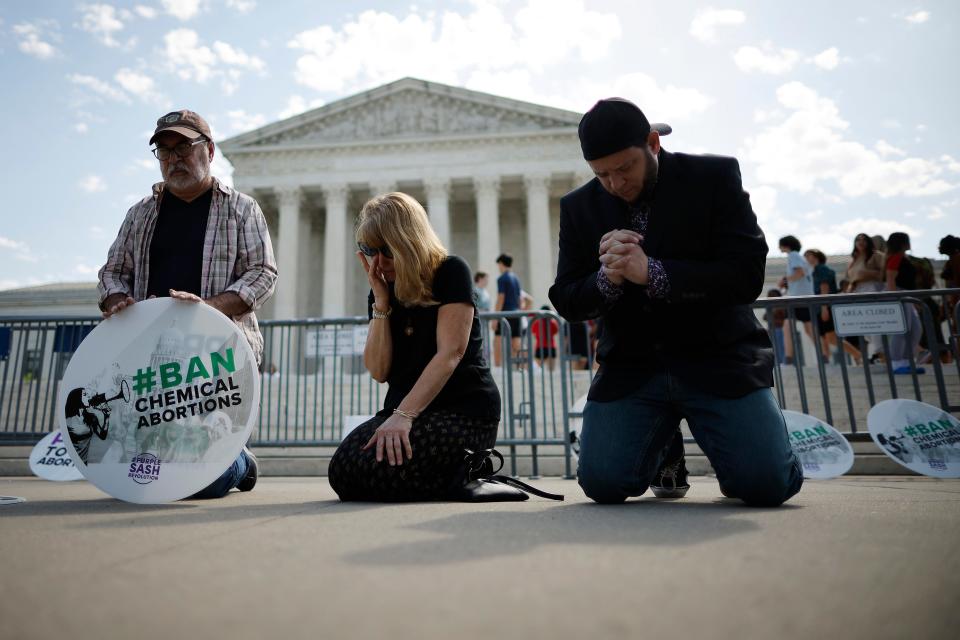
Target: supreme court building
489, 171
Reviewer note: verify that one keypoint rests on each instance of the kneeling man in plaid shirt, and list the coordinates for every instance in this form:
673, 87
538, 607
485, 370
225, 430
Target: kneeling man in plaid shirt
196, 239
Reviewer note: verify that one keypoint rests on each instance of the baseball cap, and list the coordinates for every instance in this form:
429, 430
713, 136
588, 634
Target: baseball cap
185, 122
612, 125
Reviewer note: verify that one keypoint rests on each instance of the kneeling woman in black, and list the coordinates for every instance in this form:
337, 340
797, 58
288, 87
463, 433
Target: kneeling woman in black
425, 341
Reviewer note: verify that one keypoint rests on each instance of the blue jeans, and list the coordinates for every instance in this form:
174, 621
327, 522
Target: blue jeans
624, 442
230, 479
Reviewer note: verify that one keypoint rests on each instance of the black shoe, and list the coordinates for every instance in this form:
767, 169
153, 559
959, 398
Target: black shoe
253, 472
671, 479
487, 491
484, 484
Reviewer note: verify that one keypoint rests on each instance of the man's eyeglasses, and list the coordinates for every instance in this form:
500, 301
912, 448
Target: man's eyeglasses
182, 150
370, 252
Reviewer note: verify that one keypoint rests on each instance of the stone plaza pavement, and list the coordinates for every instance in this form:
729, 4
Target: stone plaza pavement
847, 558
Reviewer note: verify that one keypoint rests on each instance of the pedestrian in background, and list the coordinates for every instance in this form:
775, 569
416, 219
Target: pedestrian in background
797, 282
902, 276
866, 271
825, 283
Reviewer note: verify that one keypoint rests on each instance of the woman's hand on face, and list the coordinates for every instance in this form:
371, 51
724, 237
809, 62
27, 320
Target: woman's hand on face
392, 438
375, 276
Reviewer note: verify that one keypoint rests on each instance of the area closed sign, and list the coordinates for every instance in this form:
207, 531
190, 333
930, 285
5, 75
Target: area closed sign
869, 319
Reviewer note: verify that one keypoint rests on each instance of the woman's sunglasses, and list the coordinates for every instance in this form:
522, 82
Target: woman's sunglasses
370, 252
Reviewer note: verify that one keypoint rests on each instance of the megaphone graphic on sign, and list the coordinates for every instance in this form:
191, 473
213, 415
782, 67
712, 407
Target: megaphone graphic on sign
100, 401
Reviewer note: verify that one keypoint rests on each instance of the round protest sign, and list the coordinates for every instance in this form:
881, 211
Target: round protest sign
159, 400
823, 451
921, 437
51, 460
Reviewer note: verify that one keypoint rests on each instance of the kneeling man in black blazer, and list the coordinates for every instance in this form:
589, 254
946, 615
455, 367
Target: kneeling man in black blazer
664, 249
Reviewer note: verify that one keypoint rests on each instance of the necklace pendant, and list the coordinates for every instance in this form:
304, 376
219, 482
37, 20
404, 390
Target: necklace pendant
408, 331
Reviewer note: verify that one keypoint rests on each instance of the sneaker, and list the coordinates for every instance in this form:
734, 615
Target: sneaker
671, 479
253, 472
905, 371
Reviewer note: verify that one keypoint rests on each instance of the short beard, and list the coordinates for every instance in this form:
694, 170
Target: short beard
650, 175
194, 177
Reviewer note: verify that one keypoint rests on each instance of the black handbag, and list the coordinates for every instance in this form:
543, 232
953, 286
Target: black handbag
483, 483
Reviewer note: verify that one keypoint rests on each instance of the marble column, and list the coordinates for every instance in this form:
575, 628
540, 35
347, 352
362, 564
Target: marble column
487, 191
581, 178
380, 187
288, 258
335, 244
438, 208
538, 238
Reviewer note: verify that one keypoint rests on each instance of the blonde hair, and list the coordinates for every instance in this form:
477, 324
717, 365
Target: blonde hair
400, 222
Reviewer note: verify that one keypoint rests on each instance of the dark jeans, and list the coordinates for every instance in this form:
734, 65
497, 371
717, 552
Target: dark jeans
623, 442
230, 479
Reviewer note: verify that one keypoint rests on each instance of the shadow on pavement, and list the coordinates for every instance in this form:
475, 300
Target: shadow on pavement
480, 535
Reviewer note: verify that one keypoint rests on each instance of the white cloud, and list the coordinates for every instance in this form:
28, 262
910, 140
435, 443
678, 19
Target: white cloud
32, 39
237, 58
827, 59
20, 250
81, 127
951, 163
298, 104
918, 17
92, 184
148, 13
99, 87
14, 245
936, 213
84, 270
378, 47
836, 238
705, 23
765, 59
190, 59
140, 85
101, 21
658, 102
181, 9
885, 149
243, 6
809, 147
240, 120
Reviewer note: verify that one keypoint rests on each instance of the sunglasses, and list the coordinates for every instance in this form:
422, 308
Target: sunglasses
370, 252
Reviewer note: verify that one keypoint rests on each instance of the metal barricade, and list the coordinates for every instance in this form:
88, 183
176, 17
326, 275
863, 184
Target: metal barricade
34, 352
314, 382
842, 393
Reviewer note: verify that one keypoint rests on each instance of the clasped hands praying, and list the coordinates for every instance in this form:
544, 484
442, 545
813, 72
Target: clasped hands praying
622, 257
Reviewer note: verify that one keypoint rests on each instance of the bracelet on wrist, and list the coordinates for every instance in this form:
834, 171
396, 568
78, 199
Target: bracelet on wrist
409, 415
380, 315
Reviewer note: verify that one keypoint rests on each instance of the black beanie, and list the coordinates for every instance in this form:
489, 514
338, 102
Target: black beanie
612, 125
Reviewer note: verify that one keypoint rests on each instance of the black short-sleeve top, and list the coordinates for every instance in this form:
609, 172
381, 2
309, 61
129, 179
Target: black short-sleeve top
470, 391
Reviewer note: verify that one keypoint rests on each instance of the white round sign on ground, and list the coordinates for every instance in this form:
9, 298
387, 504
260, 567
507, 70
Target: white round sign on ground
823, 451
921, 437
159, 400
50, 459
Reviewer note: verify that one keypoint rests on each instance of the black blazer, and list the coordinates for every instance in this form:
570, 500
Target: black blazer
703, 230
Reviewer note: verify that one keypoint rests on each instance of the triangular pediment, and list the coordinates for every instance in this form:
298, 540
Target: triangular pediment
407, 109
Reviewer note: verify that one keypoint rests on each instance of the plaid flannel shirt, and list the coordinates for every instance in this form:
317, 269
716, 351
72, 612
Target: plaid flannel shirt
237, 254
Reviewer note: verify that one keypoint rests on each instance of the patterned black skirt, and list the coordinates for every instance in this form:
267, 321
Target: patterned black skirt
438, 439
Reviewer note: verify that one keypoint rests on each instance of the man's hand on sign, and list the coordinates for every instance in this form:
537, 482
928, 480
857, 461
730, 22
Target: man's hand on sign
186, 296
116, 303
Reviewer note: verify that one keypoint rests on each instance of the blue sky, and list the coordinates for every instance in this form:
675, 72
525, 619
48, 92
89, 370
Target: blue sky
843, 114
